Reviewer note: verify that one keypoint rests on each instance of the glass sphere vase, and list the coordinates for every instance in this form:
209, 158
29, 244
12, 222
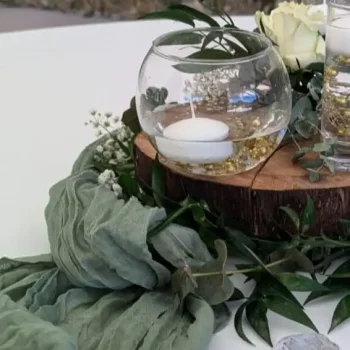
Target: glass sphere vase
214, 101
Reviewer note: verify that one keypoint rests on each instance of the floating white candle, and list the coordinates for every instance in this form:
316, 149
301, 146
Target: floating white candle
197, 129
195, 141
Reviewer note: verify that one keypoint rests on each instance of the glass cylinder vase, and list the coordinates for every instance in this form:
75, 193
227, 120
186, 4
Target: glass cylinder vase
213, 101
336, 91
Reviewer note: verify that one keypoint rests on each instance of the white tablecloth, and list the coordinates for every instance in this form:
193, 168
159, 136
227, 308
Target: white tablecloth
49, 81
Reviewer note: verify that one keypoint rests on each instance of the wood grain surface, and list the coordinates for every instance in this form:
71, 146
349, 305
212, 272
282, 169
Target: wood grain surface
254, 197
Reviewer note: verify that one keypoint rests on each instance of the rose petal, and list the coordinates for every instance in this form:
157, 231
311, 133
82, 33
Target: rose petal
304, 60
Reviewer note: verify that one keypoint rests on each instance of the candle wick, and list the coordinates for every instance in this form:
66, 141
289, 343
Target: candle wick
192, 108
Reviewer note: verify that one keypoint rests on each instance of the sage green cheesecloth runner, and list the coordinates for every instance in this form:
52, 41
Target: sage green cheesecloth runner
100, 288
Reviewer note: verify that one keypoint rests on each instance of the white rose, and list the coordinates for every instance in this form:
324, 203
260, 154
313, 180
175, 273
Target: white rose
296, 31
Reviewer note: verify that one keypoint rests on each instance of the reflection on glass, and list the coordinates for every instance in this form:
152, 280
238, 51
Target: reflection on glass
214, 101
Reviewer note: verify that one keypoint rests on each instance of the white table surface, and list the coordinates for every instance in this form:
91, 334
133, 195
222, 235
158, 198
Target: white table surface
49, 81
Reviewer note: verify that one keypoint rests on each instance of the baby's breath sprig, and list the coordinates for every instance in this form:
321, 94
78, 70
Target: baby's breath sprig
114, 149
109, 180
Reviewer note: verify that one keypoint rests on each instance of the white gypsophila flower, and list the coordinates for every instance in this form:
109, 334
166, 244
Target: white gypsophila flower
117, 189
120, 156
107, 178
99, 149
107, 154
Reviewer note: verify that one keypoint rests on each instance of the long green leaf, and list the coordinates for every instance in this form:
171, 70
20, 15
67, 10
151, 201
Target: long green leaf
183, 39
341, 313
299, 283
288, 309
309, 216
170, 218
237, 295
238, 321
270, 285
222, 314
175, 15
293, 216
195, 14
335, 285
256, 314
206, 54
129, 185
158, 182
343, 244
211, 37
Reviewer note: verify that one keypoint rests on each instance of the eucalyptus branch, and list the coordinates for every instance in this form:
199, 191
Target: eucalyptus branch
241, 271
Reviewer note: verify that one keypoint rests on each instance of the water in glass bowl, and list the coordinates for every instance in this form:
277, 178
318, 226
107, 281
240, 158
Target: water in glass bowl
252, 134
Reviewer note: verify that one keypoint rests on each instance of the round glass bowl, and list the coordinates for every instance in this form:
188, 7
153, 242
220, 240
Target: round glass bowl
214, 101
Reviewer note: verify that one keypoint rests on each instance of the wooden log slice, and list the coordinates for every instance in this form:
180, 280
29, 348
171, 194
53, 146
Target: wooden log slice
254, 197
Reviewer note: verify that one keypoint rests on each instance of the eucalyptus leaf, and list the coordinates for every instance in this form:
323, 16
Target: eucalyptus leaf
194, 14
175, 15
301, 261
158, 182
238, 322
288, 309
314, 176
183, 284
293, 215
303, 129
309, 215
299, 108
213, 284
299, 154
299, 283
256, 314
312, 117
311, 163
321, 147
341, 313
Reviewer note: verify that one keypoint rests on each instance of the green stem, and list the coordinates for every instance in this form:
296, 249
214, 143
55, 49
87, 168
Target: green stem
239, 272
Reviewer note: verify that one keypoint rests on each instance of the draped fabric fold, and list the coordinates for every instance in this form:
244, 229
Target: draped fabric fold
100, 287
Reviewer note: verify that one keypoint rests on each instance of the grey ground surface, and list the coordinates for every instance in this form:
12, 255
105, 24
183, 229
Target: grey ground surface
19, 18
